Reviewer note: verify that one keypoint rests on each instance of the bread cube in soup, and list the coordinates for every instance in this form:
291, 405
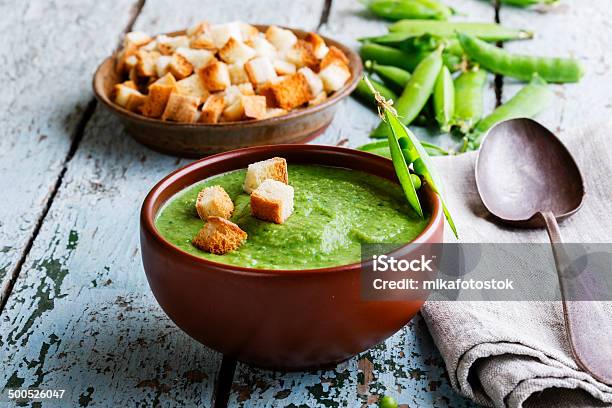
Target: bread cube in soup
214, 202
272, 201
274, 168
219, 236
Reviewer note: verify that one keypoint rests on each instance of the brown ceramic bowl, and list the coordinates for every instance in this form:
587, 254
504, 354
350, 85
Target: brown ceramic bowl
198, 140
286, 319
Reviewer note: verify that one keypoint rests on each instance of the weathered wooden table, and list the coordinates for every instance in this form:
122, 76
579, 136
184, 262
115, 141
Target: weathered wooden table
76, 311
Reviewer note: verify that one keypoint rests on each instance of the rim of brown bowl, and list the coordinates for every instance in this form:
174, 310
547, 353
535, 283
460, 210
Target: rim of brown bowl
148, 214
355, 65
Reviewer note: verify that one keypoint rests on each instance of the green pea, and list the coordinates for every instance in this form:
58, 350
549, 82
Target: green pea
364, 93
416, 181
417, 92
394, 77
390, 56
528, 102
559, 70
387, 402
444, 99
485, 31
469, 87
399, 9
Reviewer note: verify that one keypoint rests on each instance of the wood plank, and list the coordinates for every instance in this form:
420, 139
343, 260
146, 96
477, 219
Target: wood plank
354, 121
570, 29
48, 59
406, 366
81, 316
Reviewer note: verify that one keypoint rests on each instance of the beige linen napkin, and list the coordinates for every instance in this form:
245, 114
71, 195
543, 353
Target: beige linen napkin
516, 354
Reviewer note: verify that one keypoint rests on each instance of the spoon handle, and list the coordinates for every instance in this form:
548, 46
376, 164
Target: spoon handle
587, 327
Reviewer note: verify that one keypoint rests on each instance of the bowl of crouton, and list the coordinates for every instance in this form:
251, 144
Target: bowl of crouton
218, 87
290, 318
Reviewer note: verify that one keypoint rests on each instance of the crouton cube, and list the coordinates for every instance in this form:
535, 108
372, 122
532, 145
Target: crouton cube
233, 112
314, 82
214, 202
260, 70
236, 52
180, 67
334, 56
130, 84
126, 59
254, 106
248, 32
231, 95
212, 109
219, 236
159, 93
181, 108
162, 65
291, 92
334, 76
221, 33
302, 55
123, 93
274, 168
246, 89
318, 45
167, 45
274, 112
137, 38
215, 76
197, 58
146, 65
320, 98
192, 86
263, 47
283, 67
150, 46
197, 29
272, 201
281, 38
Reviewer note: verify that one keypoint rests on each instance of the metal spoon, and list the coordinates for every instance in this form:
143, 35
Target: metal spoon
527, 178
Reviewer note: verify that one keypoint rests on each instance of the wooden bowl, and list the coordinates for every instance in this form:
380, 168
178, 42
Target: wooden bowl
200, 139
284, 319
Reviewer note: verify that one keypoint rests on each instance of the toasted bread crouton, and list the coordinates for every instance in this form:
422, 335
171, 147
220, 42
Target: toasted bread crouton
231, 95
130, 84
260, 70
263, 47
215, 76
162, 65
197, 29
126, 59
335, 55
212, 109
274, 112
197, 58
221, 33
192, 86
246, 89
283, 67
272, 201
314, 82
236, 52
180, 67
136, 38
318, 45
281, 38
291, 92
320, 98
302, 55
274, 168
150, 46
237, 74
159, 93
334, 76
214, 202
233, 112
146, 65
124, 93
254, 106
181, 108
168, 45
248, 32
219, 236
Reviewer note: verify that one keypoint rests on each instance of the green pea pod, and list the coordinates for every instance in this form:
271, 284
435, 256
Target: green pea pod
527, 3
417, 92
500, 61
381, 148
485, 31
362, 91
394, 10
390, 56
527, 103
444, 99
469, 87
393, 77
